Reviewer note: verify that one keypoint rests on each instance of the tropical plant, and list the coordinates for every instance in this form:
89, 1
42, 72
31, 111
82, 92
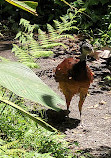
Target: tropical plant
23, 82
21, 138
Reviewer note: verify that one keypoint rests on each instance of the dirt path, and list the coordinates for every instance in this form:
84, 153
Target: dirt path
94, 131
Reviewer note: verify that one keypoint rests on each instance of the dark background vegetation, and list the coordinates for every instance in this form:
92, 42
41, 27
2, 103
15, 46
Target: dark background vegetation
48, 10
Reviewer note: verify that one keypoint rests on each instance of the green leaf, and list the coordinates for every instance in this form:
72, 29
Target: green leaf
3, 59
82, 157
54, 45
76, 143
36, 119
23, 82
41, 53
109, 28
81, 10
31, 4
23, 6
31, 64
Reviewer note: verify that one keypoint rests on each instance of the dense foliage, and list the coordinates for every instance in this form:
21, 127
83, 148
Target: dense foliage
11, 15
96, 15
20, 137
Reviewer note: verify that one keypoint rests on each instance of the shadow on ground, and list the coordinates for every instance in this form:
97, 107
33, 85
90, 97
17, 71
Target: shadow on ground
59, 120
5, 46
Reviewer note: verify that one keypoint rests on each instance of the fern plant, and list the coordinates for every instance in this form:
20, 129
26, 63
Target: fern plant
67, 23
54, 35
29, 49
46, 42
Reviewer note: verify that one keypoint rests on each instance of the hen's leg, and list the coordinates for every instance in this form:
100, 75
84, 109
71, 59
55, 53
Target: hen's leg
67, 93
68, 100
83, 94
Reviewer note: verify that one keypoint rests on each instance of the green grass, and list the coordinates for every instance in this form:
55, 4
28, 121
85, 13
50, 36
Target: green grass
21, 137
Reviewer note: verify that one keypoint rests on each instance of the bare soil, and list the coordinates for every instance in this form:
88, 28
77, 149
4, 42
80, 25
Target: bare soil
93, 129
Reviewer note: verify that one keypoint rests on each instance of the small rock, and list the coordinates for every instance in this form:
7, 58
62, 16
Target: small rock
107, 117
93, 106
102, 102
105, 54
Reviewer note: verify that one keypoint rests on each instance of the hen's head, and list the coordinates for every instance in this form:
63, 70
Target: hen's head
86, 48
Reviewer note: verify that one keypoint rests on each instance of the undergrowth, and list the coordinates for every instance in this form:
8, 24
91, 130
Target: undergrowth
22, 137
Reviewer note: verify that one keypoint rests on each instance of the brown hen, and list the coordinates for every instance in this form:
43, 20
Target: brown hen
74, 76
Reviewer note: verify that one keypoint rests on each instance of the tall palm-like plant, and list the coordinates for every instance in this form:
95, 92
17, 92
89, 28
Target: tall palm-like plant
21, 80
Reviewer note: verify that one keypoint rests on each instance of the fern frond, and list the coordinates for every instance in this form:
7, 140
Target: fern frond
69, 24
31, 64
24, 56
63, 19
33, 45
52, 32
18, 34
64, 36
54, 45
27, 26
42, 37
71, 16
37, 51
42, 53
30, 49
20, 53
58, 26
24, 22
70, 28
